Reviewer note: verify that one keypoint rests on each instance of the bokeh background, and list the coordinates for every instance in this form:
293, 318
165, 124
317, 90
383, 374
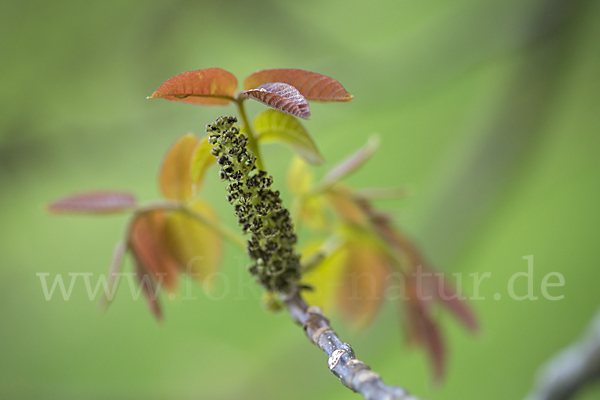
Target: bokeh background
489, 110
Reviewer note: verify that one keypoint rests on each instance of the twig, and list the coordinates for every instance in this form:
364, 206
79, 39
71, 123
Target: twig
277, 266
572, 368
353, 373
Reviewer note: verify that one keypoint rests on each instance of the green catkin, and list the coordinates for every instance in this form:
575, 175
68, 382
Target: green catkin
259, 209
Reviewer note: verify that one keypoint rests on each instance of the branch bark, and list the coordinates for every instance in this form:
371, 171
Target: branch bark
353, 373
573, 368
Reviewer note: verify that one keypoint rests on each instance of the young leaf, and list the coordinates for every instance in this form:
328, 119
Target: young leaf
314, 214
311, 85
201, 161
113, 273
196, 247
326, 278
437, 284
431, 337
275, 126
94, 203
148, 245
149, 290
299, 177
175, 176
211, 86
282, 97
361, 295
341, 198
352, 162
309, 209
460, 308
420, 326
441, 289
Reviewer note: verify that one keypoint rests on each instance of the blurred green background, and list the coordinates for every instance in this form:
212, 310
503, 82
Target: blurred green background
490, 110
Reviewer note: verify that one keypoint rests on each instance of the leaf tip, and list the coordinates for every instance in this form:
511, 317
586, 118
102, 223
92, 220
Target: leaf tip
374, 141
102, 305
154, 95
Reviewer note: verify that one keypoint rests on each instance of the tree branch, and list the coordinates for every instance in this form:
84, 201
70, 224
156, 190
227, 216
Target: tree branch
260, 211
573, 368
353, 373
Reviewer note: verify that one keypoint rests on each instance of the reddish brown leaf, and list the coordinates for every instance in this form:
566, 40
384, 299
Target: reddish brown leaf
175, 177
149, 290
94, 202
458, 307
311, 85
422, 288
435, 283
421, 329
361, 295
200, 162
211, 86
196, 247
432, 340
341, 198
148, 244
282, 97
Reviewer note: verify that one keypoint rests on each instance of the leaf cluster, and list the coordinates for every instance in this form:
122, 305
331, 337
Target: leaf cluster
358, 255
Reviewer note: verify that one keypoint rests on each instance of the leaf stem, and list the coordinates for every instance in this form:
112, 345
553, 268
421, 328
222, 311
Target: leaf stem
252, 140
327, 248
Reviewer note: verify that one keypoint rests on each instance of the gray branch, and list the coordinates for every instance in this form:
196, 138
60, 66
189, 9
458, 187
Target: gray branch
353, 373
572, 368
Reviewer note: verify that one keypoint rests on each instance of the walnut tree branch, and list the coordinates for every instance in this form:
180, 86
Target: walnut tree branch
277, 267
353, 373
573, 368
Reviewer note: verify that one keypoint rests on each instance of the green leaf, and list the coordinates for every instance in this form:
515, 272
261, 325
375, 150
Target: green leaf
308, 209
201, 161
275, 126
299, 177
326, 279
